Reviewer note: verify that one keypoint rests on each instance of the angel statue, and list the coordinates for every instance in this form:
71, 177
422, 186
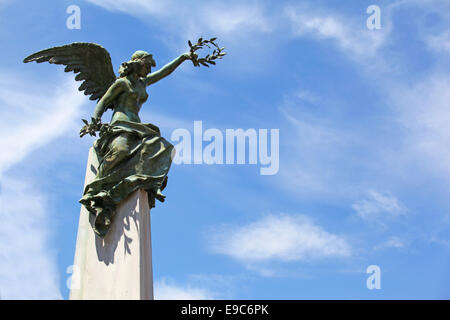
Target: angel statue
132, 155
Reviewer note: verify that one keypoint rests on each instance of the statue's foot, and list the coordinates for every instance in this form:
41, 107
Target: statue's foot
160, 196
164, 183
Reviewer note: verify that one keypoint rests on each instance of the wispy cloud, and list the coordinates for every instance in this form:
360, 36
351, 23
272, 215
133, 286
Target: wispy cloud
432, 20
29, 119
241, 27
196, 17
28, 268
392, 243
248, 17
422, 108
137, 7
167, 289
379, 207
344, 31
278, 238
33, 118
317, 147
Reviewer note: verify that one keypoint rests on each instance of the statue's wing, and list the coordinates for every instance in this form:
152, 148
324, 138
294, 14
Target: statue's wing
90, 61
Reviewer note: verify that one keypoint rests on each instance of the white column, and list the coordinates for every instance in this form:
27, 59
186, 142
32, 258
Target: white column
118, 266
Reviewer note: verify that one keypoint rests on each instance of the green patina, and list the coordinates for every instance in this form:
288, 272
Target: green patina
132, 155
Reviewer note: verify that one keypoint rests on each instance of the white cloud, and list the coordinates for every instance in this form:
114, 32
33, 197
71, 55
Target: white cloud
422, 109
241, 27
137, 7
431, 20
439, 240
193, 18
419, 106
28, 267
392, 243
166, 289
32, 118
227, 19
349, 35
279, 238
378, 206
29, 119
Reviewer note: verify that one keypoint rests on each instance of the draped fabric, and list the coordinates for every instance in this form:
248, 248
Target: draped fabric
131, 156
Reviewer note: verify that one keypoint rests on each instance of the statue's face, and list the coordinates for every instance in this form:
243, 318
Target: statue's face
146, 66
145, 69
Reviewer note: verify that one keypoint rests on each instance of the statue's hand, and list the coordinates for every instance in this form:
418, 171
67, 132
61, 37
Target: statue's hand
91, 128
191, 56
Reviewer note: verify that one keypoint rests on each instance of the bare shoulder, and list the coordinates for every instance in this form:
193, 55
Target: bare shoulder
120, 83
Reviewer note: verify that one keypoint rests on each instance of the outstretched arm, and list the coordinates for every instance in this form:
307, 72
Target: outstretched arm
114, 90
167, 69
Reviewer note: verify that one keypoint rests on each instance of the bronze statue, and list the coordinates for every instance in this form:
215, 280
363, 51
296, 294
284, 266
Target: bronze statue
132, 155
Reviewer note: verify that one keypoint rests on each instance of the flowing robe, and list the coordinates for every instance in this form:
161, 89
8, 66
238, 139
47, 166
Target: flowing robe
131, 156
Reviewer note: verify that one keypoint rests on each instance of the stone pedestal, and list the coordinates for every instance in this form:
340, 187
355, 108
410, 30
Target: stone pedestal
118, 266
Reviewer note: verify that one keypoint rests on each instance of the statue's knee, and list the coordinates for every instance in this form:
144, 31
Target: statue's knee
117, 154
122, 151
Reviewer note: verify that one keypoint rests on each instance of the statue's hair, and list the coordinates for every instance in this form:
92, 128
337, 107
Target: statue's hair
129, 67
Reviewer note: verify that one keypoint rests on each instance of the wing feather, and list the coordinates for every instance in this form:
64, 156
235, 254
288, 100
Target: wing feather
91, 62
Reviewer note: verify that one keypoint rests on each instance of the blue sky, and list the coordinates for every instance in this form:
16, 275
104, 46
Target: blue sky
364, 168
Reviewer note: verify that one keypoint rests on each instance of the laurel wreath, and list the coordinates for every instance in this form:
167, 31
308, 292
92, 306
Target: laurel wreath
95, 126
218, 52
